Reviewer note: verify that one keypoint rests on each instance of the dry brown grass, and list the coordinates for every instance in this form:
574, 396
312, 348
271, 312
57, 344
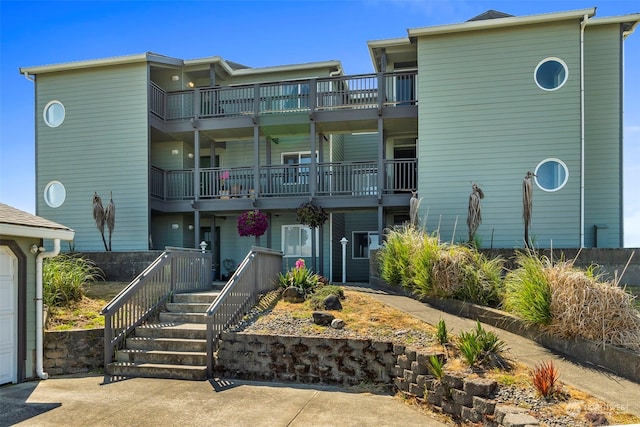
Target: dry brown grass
585, 307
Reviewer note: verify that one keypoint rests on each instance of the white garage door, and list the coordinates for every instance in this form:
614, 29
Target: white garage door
8, 315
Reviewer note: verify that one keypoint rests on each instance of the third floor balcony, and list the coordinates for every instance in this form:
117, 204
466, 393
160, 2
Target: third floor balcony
358, 92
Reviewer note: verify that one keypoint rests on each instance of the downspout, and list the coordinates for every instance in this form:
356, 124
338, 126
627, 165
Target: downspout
39, 308
583, 24
26, 75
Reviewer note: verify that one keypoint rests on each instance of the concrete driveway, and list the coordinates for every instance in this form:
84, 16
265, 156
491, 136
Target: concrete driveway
88, 401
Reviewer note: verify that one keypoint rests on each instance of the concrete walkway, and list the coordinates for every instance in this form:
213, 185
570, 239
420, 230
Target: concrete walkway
616, 391
87, 401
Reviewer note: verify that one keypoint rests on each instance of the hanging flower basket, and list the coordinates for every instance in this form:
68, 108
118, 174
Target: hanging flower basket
252, 223
311, 215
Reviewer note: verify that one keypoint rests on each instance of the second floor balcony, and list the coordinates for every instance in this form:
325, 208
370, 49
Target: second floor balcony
369, 91
333, 179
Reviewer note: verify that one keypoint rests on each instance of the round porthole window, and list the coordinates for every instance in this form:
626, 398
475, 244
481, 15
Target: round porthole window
551, 175
53, 114
551, 74
54, 194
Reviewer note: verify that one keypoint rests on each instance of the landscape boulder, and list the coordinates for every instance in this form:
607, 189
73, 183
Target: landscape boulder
293, 294
322, 318
332, 302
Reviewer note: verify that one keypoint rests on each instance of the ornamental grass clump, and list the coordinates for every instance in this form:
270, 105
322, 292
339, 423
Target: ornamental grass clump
584, 306
527, 292
63, 278
546, 380
395, 255
481, 348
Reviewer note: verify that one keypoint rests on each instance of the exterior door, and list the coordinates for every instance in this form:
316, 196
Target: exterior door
8, 315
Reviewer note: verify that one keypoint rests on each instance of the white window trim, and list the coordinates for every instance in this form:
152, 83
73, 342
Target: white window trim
63, 197
299, 226
566, 174
46, 108
566, 73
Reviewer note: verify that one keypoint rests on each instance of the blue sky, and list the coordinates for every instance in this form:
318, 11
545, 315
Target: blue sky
254, 33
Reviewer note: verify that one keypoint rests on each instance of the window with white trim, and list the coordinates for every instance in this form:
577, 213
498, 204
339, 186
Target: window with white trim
53, 114
551, 74
296, 240
54, 194
551, 175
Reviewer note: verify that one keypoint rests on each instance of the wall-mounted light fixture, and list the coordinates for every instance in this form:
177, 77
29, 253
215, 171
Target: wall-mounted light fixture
190, 155
33, 249
175, 226
191, 84
175, 152
175, 78
190, 227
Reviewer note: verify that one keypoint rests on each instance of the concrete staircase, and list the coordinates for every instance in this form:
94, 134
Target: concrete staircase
175, 347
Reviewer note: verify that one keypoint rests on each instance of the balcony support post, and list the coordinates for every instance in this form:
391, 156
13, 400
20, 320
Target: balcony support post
196, 187
313, 170
256, 161
380, 160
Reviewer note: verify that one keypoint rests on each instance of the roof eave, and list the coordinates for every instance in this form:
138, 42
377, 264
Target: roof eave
118, 60
500, 22
283, 68
632, 19
36, 232
381, 44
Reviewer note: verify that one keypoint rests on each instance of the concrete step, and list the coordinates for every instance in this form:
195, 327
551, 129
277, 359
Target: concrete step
182, 317
204, 297
167, 344
153, 370
187, 307
172, 330
194, 358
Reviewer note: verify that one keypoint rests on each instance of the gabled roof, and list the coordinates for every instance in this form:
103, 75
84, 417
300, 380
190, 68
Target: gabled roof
15, 222
490, 14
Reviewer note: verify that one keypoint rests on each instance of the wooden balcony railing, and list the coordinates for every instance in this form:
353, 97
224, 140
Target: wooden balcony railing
333, 179
335, 93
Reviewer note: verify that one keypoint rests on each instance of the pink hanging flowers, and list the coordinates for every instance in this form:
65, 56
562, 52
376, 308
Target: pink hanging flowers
252, 223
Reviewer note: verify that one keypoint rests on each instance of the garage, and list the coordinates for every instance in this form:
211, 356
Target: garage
25, 241
8, 315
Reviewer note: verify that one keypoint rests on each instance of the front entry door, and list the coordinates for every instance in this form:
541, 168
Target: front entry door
8, 316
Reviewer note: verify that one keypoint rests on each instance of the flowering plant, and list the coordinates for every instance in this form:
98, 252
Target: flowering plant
300, 277
224, 175
252, 223
311, 215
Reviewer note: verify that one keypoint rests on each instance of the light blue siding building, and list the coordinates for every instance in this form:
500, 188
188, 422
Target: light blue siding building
186, 146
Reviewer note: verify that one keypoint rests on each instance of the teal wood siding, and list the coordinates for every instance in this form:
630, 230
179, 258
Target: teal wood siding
360, 147
100, 147
337, 233
358, 268
163, 233
337, 148
162, 157
603, 135
483, 119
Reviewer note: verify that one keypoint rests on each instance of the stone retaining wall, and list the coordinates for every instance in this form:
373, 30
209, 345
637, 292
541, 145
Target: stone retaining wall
73, 352
350, 362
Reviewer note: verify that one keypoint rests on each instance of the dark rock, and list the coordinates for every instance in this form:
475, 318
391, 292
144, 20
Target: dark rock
293, 294
323, 319
332, 302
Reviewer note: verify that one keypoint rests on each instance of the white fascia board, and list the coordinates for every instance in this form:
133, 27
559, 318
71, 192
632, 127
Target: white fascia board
632, 19
36, 232
118, 60
294, 67
500, 22
381, 44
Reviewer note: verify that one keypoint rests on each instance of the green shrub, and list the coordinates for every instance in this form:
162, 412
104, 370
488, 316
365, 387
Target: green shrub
423, 261
63, 279
317, 298
442, 335
481, 280
482, 348
527, 289
436, 367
